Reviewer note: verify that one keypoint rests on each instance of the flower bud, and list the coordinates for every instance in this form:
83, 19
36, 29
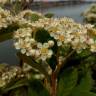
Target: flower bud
51, 43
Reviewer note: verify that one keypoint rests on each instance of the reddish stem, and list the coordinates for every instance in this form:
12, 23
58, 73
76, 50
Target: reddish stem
53, 84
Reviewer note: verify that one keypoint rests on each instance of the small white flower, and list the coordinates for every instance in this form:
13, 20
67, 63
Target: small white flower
37, 76
37, 53
59, 43
93, 48
89, 25
32, 52
43, 58
51, 43
52, 34
91, 41
28, 54
23, 51
39, 45
45, 45
32, 40
49, 71
17, 45
27, 45
50, 53
27, 39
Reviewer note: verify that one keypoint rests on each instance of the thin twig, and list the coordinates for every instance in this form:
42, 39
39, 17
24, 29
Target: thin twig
60, 65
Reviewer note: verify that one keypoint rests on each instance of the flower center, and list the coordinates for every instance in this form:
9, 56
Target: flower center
61, 38
44, 50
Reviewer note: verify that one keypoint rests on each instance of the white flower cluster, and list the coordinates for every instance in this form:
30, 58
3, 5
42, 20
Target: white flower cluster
67, 31
9, 74
28, 12
64, 31
22, 21
90, 14
29, 46
5, 18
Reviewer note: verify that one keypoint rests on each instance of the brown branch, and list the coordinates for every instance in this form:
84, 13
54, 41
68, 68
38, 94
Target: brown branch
53, 90
61, 64
25, 5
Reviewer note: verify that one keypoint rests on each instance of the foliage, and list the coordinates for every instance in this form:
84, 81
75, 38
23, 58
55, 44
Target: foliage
49, 15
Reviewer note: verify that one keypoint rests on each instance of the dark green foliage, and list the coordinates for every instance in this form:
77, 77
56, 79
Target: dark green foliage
33, 63
52, 62
75, 82
7, 33
77, 59
85, 86
36, 89
49, 15
14, 84
35, 17
20, 88
17, 92
67, 82
65, 50
10, 28
42, 35
32, 17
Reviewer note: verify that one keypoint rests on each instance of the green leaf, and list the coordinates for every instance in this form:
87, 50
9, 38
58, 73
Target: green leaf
86, 83
49, 15
15, 84
35, 17
67, 82
6, 36
42, 33
33, 63
32, 17
31, 92
7, 33
84, 87
18, 92
83, 94
36, 88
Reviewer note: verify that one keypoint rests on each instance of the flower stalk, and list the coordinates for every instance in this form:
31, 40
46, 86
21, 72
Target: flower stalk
53, 84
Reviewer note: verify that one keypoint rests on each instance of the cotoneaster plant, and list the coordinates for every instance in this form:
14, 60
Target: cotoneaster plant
56, 55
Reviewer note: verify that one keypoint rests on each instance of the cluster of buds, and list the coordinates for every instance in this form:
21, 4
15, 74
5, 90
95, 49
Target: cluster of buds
9, 74
24, 17
5, 18
90, 14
